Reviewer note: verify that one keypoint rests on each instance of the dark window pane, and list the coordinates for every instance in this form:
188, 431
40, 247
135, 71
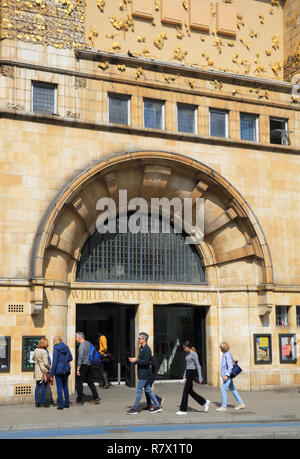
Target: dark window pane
186, 118
153, 114
118, 109
248, 127
218, 123
43, 95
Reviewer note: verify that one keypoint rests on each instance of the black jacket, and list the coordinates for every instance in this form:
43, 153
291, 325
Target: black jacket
143, 362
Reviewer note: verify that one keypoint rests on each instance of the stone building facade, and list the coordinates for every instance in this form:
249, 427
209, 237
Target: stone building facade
166, 99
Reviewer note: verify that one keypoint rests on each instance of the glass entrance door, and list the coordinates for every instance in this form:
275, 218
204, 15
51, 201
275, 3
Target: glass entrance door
172, 326
116, 322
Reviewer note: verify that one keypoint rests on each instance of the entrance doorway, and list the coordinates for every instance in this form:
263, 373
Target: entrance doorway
117, 323
172, 326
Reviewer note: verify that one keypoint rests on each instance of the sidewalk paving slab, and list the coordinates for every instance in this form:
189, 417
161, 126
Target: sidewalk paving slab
261, 406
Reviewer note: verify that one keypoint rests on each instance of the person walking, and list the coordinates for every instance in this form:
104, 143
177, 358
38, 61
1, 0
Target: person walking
84, 370
105, 357
144, 371
42, 366
61, 369
154, 368
226, 368
192, 370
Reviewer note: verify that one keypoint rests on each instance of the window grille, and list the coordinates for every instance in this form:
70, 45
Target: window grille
218, 123
140, 257
249, 127
43, 98
21, 389
186, 118
16, 308
119, 112
154, 114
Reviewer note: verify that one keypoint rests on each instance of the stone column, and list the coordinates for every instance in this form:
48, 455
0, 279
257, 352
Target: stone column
145, 322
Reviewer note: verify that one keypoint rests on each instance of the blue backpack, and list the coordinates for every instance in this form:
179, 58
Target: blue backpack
95, 357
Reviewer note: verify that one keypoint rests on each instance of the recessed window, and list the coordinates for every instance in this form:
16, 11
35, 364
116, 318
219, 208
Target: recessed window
119, 109
187, 118
282, 316
154, 114
298, 316
218, 123
44, 97
279, 133
249, 127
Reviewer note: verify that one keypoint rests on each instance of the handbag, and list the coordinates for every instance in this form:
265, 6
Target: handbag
46, 375
236, 370
106, 358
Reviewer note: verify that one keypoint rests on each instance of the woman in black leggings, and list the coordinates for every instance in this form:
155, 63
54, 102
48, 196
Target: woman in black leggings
193, 369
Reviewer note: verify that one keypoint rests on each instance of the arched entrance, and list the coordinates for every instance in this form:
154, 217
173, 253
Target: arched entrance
234, 250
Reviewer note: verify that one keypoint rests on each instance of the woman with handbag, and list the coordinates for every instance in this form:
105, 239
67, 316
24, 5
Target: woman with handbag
105, 357
42, 361
226, 369
61, 368
193, 370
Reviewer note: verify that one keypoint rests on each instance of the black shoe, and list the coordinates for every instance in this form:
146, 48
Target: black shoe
156, 410
37, 405
60, 408
45, 405
132, 411
95, 402
67, 406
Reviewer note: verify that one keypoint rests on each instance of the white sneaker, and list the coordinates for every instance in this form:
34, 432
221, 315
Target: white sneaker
181, 413
206, 406
222, 408
240, 406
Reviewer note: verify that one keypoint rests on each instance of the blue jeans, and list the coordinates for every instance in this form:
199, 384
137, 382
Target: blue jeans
144, 383
40, 387
229, 384
62, 386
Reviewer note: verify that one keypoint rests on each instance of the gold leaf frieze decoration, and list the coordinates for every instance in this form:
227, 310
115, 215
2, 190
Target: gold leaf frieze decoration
58, 23
104, 65
101, 5
247, 45
92, 35
191, 83
179, 54
217, 84
275, 42
140, 73
170, 79
159, 40
123, 24
121, 67
240, 20
276, 68
219, 43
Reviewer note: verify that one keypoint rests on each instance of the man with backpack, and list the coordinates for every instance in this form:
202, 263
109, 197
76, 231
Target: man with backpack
84, 370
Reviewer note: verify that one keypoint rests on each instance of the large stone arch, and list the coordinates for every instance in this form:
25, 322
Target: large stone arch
234, 249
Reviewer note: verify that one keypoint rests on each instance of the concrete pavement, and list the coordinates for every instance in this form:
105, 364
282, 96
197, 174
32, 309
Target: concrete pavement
281, 406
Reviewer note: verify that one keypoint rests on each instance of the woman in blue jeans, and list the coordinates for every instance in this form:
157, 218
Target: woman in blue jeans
61, 369
42, 365
226, 368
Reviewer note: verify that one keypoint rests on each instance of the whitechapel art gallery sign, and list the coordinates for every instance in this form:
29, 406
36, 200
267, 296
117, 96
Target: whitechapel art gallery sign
136, 296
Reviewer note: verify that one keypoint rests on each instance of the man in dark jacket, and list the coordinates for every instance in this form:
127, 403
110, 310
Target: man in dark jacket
144, 371
61, 369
